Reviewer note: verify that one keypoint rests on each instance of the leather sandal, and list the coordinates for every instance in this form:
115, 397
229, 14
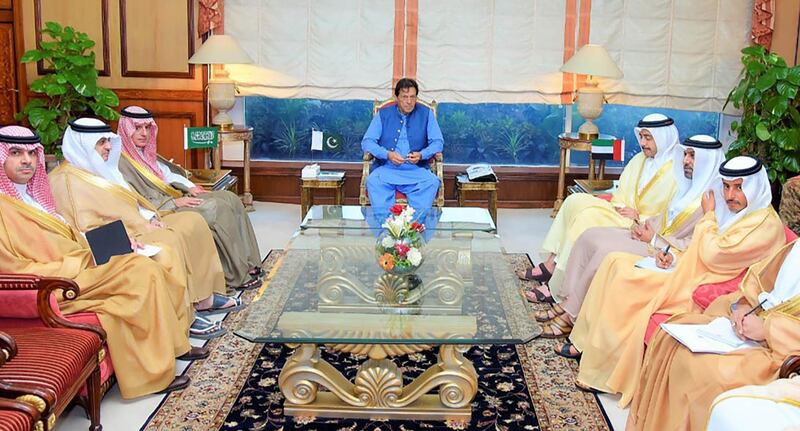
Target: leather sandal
566, 351
255, 281
194, 354
538, 297
205, 329
589, 389
544, 277
179, 383
218, 305
559, 323
551, 313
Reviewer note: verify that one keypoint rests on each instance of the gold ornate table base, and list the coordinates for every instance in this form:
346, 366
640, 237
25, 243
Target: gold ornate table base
378, 391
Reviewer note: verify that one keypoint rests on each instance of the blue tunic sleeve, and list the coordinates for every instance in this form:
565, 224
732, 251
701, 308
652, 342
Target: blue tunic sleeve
435, 139
369, 143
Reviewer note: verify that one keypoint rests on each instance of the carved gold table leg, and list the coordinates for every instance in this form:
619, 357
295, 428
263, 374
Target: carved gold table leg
377, 391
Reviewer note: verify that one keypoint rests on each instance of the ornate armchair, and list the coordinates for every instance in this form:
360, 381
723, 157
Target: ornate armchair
436, 162
49, 362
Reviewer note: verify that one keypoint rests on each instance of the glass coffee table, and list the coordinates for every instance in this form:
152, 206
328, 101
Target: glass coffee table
358, 217
328, 290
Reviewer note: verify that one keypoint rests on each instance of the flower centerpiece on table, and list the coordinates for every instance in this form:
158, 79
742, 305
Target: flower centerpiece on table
399, 246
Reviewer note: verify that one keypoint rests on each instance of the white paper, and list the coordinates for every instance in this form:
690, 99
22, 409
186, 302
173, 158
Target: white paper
649, 263
149, 250
316, 140
352, 213
717, 336
466, 215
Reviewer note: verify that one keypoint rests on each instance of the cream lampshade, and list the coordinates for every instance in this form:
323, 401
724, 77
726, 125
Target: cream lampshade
221, 49
592, 60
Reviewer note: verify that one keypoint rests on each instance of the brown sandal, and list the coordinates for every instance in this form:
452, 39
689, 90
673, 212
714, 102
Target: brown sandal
535, 296
551, 313
557, 323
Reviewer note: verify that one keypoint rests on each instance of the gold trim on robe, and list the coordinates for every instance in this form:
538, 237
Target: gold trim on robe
681, 218
152, 178
44, 219
118, 190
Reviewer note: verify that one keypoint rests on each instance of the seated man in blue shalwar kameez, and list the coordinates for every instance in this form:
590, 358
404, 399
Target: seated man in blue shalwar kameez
402, 138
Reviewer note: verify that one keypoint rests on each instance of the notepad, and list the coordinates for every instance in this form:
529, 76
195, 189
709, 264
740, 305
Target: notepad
717, 336
149, 250
649, 263
108, 240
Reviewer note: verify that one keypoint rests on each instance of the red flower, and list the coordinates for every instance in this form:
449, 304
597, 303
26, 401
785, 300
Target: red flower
419, 227
401, 249
396, 209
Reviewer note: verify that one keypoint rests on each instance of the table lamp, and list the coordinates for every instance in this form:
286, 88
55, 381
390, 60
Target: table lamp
592, 60
221, 49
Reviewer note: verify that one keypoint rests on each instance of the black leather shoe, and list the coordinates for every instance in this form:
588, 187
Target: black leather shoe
179, 383
195, 353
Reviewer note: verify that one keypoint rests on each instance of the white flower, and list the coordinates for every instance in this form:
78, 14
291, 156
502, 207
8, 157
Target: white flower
414, 256
387, 242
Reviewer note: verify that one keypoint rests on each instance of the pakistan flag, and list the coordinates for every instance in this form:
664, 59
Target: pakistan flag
326, 141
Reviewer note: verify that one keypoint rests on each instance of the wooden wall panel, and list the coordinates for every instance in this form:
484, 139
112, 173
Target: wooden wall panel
164, 52
88, 16
172, 111
786, 36
8, 78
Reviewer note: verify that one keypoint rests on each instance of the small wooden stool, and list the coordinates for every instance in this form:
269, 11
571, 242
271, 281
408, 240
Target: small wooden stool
474, 186
307, 192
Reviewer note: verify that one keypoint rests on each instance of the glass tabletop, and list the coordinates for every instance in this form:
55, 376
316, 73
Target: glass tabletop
329, 289
358, 217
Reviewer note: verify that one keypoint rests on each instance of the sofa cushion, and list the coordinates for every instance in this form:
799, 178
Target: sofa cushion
49, 357
790, 203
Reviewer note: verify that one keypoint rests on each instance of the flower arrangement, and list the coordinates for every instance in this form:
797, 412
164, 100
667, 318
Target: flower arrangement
399, 246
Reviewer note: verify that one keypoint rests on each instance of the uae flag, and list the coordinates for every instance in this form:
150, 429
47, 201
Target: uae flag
608, 149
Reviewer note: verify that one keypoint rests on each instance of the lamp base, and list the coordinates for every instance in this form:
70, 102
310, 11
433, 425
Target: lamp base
223, 120
588, 131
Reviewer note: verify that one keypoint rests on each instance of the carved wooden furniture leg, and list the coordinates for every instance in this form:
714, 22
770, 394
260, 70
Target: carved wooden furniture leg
377, 391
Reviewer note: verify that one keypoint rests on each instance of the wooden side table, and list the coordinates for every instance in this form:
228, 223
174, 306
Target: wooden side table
244, 134
571, 141
308, 186
473, 186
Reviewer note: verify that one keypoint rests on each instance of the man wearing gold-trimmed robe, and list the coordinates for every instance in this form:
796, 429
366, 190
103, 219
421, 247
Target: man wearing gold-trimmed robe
774, 406
90, 192
140, 305
677, 387
645, 190
222, 210
702, 157
738, 229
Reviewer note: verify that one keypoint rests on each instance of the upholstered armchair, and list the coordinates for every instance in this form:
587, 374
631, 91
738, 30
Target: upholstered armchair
49, 361
436, 162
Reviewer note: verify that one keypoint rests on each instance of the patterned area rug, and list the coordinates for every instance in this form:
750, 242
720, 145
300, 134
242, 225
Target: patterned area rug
526, 387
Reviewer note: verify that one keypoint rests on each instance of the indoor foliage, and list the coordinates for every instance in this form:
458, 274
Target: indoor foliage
770, 123
70, 90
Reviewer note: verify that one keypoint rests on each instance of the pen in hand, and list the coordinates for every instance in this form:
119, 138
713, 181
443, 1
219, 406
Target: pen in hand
754, 308
666, 250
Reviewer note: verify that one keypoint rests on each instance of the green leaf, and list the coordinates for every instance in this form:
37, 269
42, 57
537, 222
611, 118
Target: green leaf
52, 27
786, 89
40, 116
32, 56
754, 50
766, 81
106, 97
755, 68
762, 132
55, 89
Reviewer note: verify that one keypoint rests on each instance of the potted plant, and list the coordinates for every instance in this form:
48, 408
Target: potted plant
70, 90
770, 123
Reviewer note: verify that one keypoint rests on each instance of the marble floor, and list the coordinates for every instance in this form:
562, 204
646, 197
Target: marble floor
274, 224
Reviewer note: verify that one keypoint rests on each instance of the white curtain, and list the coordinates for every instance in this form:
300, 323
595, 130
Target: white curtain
491, 51
680, 54
323, 49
